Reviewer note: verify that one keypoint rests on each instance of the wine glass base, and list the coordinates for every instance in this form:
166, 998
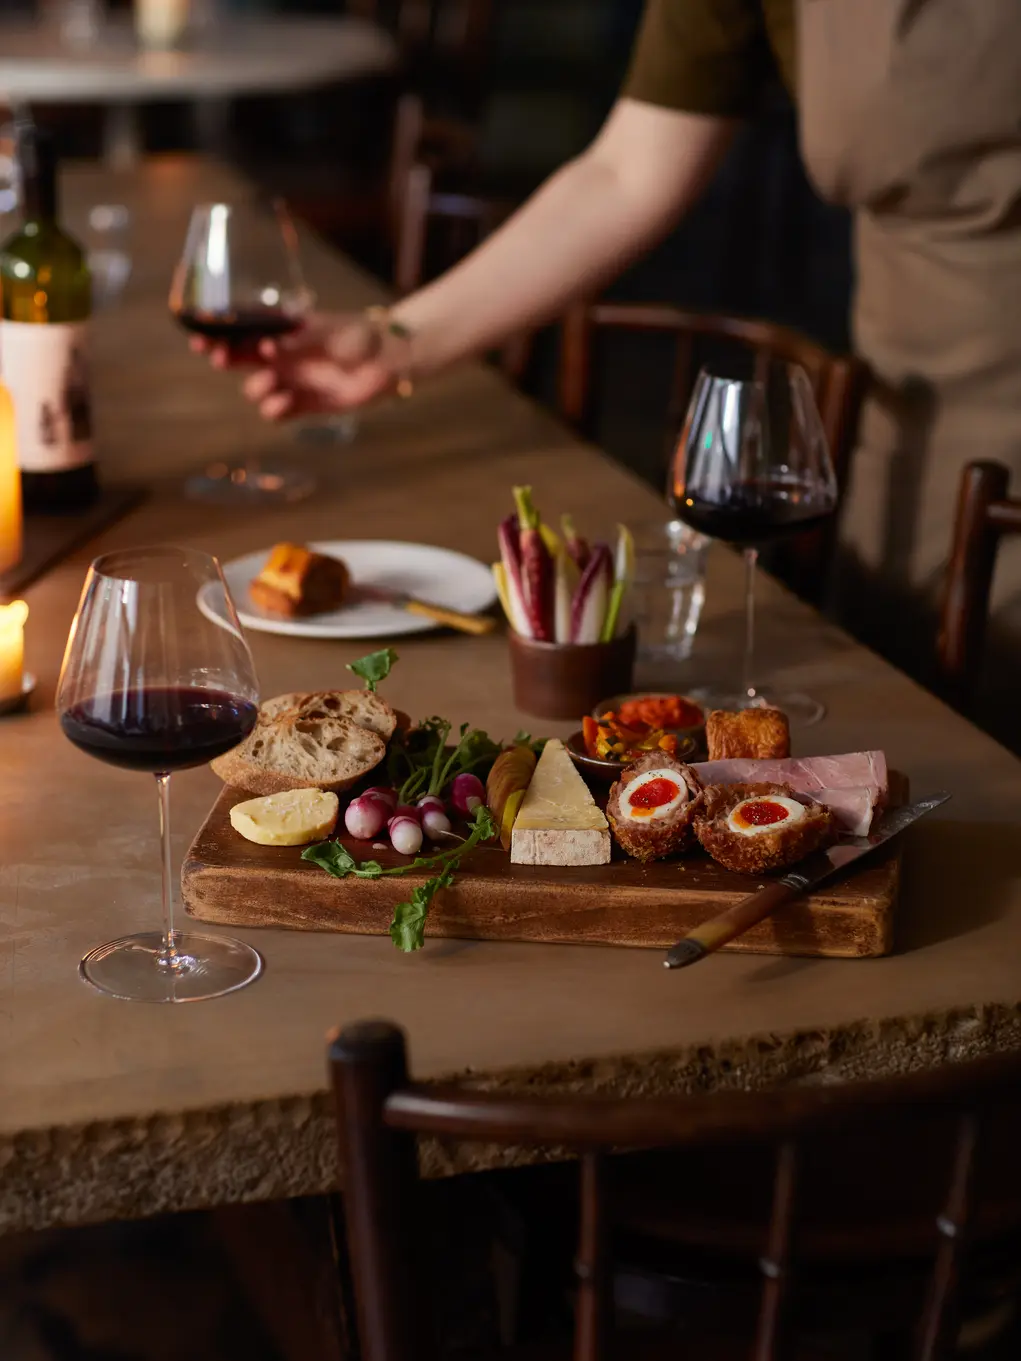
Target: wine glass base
130, 968
803, 711
342, 429
250, 484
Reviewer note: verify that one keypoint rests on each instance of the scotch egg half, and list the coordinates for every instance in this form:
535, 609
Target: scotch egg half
766, 813
654, 794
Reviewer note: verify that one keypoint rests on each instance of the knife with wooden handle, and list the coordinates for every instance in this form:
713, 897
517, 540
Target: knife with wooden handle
727, 926
477, 624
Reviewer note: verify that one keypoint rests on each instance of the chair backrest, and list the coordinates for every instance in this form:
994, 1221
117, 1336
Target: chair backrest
974, 1200
448, 37
985, 513
439, 227
837, 382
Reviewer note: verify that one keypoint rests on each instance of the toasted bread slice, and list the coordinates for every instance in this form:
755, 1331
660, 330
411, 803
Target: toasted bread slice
360, 706
301, 753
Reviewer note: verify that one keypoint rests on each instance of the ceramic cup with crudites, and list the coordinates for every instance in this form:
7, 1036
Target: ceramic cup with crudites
564, 680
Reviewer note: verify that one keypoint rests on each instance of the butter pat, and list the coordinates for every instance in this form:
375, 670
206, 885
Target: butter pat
292, 818
559, 822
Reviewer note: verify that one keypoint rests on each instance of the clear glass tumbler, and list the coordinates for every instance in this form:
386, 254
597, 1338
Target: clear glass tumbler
669, 591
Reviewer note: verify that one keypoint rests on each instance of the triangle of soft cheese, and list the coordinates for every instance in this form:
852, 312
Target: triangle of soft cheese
559, 822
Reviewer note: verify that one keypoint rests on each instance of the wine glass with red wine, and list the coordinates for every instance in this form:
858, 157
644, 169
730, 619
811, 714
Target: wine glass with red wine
152, 682
239, 281
752, 465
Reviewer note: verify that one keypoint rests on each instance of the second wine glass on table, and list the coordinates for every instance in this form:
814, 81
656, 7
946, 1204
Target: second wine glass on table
239, 282
154, 682
751, 465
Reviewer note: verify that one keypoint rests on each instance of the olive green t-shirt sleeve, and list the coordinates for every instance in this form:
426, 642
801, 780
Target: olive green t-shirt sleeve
702, 56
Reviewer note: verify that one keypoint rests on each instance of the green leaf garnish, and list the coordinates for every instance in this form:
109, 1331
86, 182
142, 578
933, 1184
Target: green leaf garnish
407, 929
337, 860
374, 668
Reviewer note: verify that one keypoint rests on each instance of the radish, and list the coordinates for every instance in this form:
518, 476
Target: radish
365, 817
435, 822
384, 793
406, 835
407, 810
466, 794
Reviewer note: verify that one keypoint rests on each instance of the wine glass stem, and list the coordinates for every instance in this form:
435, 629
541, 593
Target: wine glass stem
751, 558
168, 957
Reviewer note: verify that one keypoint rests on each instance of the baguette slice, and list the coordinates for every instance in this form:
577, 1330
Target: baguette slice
301, 753
362, 707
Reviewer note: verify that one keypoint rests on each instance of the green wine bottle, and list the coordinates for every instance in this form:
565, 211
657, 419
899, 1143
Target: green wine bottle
45, 301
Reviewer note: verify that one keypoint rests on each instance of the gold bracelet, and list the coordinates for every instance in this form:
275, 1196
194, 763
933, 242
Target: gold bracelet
380, 317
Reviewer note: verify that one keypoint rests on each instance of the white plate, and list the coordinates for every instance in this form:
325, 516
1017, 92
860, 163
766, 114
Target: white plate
434, 574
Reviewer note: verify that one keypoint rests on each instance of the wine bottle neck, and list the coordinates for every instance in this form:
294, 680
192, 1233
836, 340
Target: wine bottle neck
38, 177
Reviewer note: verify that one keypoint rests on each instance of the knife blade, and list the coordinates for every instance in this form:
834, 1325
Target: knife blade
813, 870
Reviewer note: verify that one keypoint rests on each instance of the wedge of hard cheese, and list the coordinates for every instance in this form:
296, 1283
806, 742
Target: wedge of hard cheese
292, 818
558, 822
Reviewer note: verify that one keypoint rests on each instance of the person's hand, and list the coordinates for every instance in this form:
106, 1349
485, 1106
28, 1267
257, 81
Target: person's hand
332, 364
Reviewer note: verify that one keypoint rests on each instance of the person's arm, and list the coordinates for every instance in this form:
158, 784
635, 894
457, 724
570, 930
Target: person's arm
645, 169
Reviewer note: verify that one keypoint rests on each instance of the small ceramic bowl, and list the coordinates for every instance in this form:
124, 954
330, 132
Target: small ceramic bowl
697, 731
598, 768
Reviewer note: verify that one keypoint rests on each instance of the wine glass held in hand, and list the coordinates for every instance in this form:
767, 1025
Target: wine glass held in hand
751, 465
152, 683
239, 282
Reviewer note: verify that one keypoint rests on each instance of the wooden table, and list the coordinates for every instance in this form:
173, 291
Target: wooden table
39, 64
113, 1109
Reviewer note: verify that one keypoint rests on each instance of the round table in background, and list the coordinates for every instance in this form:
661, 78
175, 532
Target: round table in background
38, 64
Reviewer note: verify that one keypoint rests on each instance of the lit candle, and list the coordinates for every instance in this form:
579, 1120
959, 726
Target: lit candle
160, 24
10, 486
12, 649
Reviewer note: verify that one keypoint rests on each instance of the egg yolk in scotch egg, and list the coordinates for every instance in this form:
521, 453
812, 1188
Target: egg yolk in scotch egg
752, 817
654, 794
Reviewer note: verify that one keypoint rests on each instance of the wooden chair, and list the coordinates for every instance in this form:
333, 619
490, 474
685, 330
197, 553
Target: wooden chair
446, 39
985, 513
915, 1176
837, 381
437, 227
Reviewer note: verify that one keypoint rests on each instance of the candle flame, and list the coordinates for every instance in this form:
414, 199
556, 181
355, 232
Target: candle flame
13, 615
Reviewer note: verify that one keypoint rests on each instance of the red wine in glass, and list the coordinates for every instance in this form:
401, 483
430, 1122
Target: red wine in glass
751, 465
159, 730
239, 281
755, 511
157, 677
242, 328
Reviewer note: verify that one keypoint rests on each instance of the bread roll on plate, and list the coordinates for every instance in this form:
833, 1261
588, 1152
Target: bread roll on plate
296, 581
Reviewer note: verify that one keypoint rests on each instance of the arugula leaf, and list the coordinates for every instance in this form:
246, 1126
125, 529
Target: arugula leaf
407, 929
374, 668
337, 860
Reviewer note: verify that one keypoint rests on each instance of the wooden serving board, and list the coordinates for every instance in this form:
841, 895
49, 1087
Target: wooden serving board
228, 880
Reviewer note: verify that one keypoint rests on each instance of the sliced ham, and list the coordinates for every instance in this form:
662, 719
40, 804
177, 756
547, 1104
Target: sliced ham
854, 786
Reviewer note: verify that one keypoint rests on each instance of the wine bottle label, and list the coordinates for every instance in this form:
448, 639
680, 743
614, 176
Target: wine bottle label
45, 368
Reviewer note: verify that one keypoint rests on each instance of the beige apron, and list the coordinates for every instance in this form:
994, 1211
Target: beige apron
911, 114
